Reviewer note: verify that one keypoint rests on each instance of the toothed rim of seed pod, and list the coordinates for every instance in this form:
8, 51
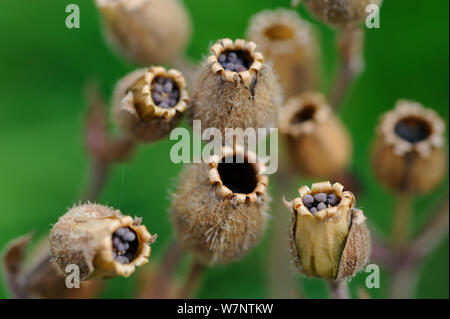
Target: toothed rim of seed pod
223, 191
151, 109
347, 200
104, 260
404, 109
227, 44
298, 103
260, 22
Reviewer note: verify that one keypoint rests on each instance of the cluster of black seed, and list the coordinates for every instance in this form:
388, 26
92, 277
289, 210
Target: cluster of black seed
125, 244
412, 130
165, 92
320, 201
236, 61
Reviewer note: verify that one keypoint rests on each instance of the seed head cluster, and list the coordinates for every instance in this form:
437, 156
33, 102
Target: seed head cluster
125, 244
165, 92
320, 201
234, 61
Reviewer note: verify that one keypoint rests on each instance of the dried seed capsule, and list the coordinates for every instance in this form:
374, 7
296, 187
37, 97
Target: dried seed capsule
146, 31
318, 143
291, 44
333, 243
340, 12
223, 98
143, 108
87, 237
408, 154
219, 211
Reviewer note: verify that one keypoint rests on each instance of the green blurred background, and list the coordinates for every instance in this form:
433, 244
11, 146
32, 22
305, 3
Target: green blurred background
44, 65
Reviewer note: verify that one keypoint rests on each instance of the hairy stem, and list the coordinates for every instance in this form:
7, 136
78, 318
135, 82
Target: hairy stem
192, 280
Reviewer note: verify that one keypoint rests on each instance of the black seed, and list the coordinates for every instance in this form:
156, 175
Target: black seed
123, 259
232, 57
332, 199
222, 58
308, 200
168, 86
313, 210
321, 206
124, 243
129, 236
321, 197
156, 98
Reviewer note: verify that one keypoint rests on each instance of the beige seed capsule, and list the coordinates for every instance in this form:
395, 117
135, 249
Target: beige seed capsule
146, 31
318, 143
243, 93
144, 110
332, 243
408, 154
340, 12
290, 43
219, 210
101, 241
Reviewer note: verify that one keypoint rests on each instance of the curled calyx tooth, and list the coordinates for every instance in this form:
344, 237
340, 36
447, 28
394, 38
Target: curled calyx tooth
146, 31
101, 241
235, 88
219, 210
149, 103
290, 43
329, 237
319, 144
408, 154
341, 12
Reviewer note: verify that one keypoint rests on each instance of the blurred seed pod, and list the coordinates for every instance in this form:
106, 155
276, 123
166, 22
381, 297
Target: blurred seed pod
235, 88
340, 12
408, 154
291, 44
219, 210
101, 241
318, 143
331, 242
149, 103
146, 31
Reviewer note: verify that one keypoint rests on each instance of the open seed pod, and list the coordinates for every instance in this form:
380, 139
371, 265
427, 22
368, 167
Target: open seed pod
408, 154
340, 12
149, 103
146, 31
219, 211
329, 237
235, 88
291, 44
318, 143
101, 241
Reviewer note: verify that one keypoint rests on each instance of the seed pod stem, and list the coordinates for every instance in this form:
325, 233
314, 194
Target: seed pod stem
402, 219
192, 280
339, 289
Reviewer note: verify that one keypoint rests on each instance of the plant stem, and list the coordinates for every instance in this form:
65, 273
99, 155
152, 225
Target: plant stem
339, 289
192, 280
350, 46
402, 220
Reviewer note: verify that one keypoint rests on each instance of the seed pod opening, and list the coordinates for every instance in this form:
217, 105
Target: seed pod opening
235, 88
146, 31
101, 241
408, 154
340, 12
219, 211
149, 103
291, 44
329, 238
318, 143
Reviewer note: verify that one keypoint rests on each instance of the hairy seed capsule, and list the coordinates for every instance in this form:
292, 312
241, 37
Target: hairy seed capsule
241, 94
291, 44
318, 143
97, 239
146, 31
408, 154
340, 12
219, 211
332, 243
149, 103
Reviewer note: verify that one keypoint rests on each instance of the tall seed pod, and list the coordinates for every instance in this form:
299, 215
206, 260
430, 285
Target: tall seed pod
146, 31
408, 153
318, 143
149, 103
235, 88
340, 12
101, 241
219, 211
329, 237
291, 44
